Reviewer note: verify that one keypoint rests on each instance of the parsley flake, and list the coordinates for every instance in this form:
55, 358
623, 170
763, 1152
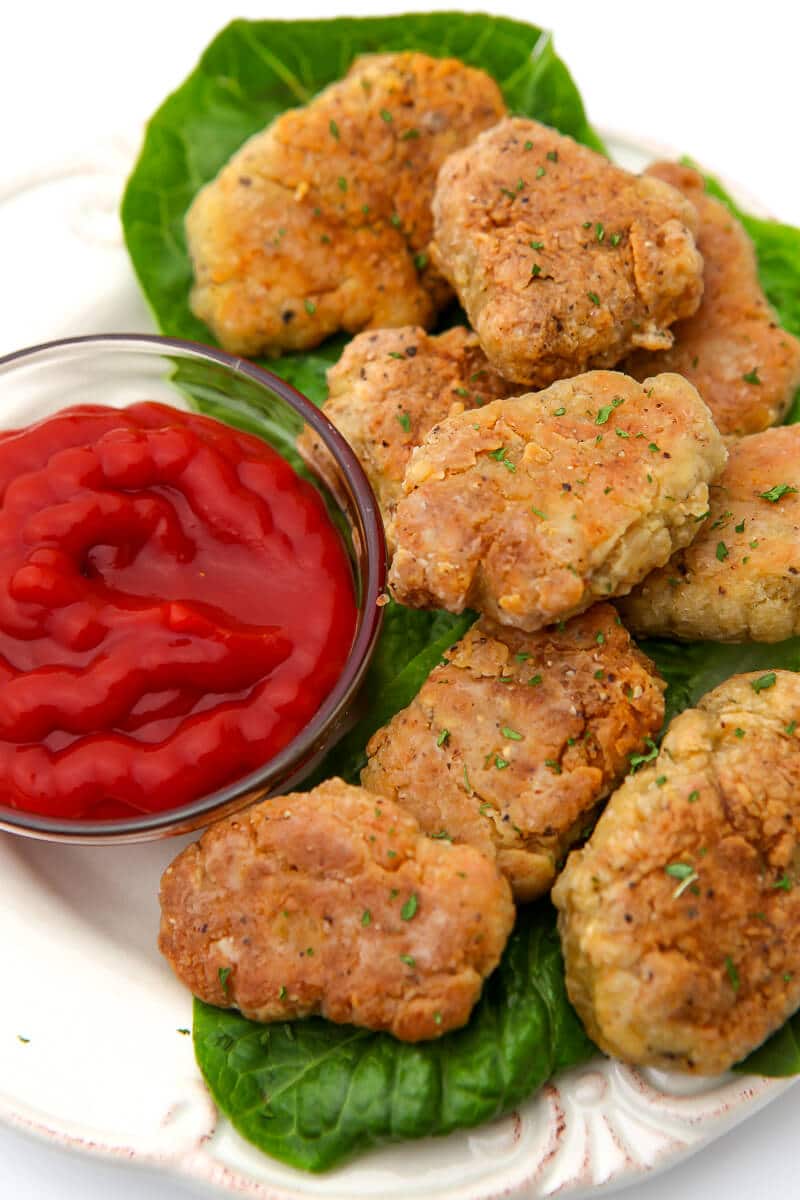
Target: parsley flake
554, 765
593, 296
638, 760
604, 413
752, 376
722, 551
534, 680
683, 872
223, 974
511, 734
386, 116
599, 231
405, 421
310, 307
732, 973
444, 734
499, 455
615, 239
540, 171
536, 245
536, 270
408, 960
341, 183
764, 682
334, 128
409, 134
410, 907
775, 493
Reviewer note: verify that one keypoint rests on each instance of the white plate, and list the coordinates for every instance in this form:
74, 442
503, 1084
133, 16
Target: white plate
103, 1066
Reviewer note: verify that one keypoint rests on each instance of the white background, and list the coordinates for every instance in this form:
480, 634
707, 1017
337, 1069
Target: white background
717, 81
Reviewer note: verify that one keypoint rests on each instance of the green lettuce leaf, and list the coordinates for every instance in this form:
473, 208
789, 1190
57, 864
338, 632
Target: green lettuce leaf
313, 1094
693, 668
252, 72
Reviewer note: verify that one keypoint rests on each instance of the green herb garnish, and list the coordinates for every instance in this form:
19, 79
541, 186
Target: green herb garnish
775, 493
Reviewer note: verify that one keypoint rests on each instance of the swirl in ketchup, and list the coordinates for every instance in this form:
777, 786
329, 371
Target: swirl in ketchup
175, 605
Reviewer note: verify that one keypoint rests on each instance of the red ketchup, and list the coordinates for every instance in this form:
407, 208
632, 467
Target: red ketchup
175, 605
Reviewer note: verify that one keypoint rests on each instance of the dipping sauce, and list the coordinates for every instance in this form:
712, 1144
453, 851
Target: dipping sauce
175, 605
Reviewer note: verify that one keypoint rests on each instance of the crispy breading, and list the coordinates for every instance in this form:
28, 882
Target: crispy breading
680, 919
389, 389
739, 580
530, 509
562, 260
733, 349
512, 744
334, 902
322, 221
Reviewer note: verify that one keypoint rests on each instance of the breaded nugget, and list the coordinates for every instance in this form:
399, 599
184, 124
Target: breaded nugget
532, 508
334, 902
680, 919
512, 744
561, 260
740, 578
322, 221
733, 350
389, 389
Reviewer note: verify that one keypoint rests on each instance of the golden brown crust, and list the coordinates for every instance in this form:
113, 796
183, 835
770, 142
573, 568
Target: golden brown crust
322, 221
562, 260
389, 389
680, 919
512, 744
734, 338
739, 580
620, 471
333, 902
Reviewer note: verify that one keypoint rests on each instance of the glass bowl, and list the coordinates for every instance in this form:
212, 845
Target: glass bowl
121, 369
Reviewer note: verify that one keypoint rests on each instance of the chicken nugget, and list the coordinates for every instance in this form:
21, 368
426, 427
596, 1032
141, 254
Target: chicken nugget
733, 349
680, 918
387, 391
739, 580
322, 221
511, 744
530, 509
334, 902
562, 260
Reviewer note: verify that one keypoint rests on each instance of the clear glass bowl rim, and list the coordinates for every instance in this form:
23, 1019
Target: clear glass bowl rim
328, 717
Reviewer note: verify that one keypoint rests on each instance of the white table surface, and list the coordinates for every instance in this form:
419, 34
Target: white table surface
719, 82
